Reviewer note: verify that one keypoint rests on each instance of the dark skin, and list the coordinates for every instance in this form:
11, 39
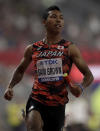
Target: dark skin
54, 25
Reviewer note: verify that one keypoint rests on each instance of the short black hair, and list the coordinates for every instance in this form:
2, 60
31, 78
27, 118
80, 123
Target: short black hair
45, 14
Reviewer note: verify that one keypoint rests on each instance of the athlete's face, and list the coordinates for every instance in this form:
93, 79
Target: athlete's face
54, 21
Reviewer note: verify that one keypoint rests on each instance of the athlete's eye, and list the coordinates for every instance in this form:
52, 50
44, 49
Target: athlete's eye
53, 16
61, 17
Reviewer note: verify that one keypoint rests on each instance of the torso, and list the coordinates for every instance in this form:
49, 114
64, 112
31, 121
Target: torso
49, 65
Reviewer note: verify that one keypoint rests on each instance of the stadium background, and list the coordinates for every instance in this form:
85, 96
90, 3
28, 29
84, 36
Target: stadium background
21, 25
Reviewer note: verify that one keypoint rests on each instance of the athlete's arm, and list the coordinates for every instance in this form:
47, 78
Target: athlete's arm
19, 72
75, 55
81, 65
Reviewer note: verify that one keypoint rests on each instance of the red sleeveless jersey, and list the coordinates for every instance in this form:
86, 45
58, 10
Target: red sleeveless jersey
49, 65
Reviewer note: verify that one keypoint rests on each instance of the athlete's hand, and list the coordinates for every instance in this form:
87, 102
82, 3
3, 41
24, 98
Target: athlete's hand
75, 89
8, 95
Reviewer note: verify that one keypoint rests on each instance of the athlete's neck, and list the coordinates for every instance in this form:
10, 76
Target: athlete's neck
52, 39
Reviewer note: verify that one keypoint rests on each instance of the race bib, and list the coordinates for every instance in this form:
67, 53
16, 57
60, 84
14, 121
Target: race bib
49, 70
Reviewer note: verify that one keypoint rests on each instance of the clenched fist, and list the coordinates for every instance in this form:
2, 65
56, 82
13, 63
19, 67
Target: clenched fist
8, 95
75, 89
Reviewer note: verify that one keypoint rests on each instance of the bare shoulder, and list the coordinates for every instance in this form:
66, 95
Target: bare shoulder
29, 48
28, 51
74, 50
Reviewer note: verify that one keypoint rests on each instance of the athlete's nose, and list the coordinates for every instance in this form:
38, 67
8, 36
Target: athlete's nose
58, 20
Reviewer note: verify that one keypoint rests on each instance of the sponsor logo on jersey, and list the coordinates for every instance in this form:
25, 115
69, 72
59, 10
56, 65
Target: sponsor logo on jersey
48, 62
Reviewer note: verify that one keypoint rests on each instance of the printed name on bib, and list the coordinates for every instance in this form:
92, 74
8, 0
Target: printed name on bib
49, 70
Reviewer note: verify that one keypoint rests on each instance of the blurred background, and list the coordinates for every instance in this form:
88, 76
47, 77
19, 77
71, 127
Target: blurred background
21, 25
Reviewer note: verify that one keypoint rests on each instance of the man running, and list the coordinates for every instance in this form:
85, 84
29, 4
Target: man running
52, 58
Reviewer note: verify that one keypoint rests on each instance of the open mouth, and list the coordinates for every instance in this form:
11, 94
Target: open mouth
58, 25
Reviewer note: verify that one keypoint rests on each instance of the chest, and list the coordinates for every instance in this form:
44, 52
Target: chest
49, 52
49, 62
